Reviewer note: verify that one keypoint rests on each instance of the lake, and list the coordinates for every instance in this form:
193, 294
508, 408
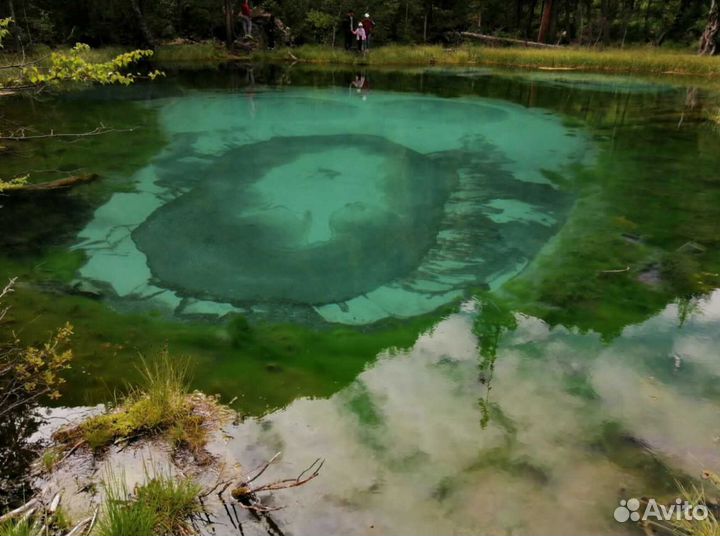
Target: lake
486, 298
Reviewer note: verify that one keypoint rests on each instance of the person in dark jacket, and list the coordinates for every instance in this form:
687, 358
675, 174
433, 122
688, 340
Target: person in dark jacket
369, 26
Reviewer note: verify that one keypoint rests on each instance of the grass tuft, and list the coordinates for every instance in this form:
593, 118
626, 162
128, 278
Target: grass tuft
161, 506
22, 527
172, 502
161, 403
121, 515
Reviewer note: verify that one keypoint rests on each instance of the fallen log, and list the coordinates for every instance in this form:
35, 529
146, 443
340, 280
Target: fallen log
507, 40
59, 184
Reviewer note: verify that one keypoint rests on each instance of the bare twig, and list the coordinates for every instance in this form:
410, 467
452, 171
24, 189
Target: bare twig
507, 41
9, 288
262, 469
293, 482
23, 64
20, 135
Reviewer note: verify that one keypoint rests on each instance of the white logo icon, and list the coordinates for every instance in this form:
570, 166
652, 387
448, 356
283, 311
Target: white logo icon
629, 510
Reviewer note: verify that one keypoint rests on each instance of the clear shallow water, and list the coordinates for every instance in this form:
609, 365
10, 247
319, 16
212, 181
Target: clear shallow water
409, 452
355, 209
576, 362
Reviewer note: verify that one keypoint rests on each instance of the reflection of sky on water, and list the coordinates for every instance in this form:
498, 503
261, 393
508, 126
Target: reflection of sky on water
406, 452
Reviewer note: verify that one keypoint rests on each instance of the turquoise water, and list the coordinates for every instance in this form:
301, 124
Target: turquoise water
356, 209
297, 238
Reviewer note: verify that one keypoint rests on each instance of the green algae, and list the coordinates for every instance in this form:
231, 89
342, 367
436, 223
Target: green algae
274, 364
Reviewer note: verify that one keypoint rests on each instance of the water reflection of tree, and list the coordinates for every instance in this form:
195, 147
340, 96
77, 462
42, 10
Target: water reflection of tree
16, 454
493, 321
28, 374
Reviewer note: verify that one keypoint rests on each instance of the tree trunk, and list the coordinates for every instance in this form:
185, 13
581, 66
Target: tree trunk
142, 24
530, 17
708, 41
18, 41
229, 19
547, 16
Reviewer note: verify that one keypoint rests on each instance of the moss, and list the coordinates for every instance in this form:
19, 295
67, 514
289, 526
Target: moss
239, 331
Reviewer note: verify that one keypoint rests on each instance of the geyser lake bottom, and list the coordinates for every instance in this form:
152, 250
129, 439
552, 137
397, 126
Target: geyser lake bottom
430, 293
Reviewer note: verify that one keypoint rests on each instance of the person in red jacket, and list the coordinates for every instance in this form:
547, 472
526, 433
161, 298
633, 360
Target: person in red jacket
246, 18
369, 26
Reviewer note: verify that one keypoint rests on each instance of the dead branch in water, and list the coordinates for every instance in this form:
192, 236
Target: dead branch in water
59, 184
246, 494
20, 135
507, 41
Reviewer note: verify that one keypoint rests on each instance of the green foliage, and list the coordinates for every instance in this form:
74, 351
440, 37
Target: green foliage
73, 67
4, 32
13, 184
588, 22
29, 372
320, 24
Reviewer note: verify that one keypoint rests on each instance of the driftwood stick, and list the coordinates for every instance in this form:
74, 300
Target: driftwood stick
262, 469
78, 529
19, 511
507, 40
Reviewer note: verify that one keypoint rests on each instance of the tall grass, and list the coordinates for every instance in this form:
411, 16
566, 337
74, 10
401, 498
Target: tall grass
160, 402
120, 515
631, 60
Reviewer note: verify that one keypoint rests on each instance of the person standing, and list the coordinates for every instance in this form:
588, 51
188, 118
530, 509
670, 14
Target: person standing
246, 19
272, 30
361, 37
349, 27
369, 26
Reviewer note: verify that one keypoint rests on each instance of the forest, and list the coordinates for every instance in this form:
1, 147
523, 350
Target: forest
674, 23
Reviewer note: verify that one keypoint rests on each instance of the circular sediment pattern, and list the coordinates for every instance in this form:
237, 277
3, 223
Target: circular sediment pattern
322, 204
305, 220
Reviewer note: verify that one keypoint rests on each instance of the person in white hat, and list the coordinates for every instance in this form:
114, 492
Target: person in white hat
369, 26
361, 37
